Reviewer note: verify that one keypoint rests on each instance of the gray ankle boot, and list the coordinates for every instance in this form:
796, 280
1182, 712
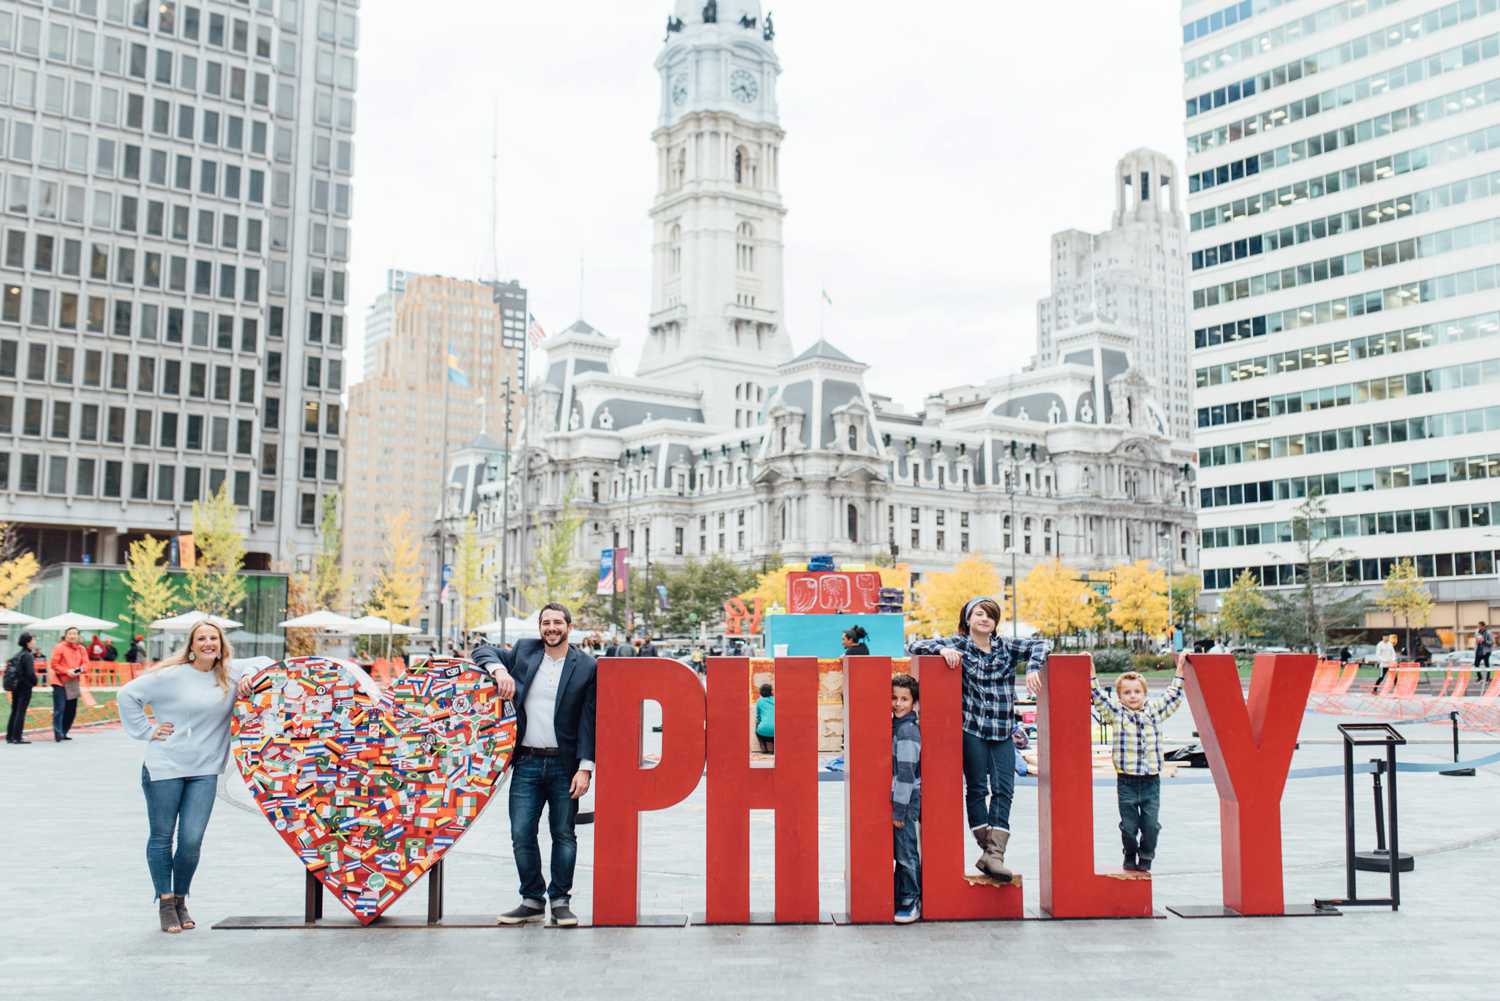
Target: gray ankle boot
982, 839
166, 908
992, 863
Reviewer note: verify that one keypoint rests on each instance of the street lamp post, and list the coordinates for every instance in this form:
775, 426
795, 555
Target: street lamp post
505, 521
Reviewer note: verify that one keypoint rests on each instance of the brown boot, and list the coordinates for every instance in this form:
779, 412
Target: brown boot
982, 839
167, 910
992, 863
183, 917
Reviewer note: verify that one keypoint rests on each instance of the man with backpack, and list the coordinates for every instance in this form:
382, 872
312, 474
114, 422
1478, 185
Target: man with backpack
20, 679
1484, 644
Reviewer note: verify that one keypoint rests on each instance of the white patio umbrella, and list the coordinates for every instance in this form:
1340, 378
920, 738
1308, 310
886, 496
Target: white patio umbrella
10, 617
375, 625
73, 620
322, 620
514, 628
185, 622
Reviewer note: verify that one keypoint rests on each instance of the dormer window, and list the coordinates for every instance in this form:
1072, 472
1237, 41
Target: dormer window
853, 438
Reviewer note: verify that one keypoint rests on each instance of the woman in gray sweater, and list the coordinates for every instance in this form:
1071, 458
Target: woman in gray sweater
191, 696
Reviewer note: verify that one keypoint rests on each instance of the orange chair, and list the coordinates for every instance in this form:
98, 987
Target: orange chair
1325, 676
1389, 682
1409, 675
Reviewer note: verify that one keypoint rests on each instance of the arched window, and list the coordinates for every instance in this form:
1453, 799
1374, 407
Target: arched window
853, 440
1047, 536
679, 168
675, 251
746, 247
783, 448
853, 515
1027, 526
741, 165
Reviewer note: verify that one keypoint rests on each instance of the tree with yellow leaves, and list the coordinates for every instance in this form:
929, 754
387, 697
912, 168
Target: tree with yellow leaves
941, 596
214, 584
474, 594
16, 568
398, 587
1055, 601
1139, 598
1405, 594
152, 595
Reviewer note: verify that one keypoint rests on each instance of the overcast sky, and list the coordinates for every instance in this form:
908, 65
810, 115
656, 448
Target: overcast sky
931, 151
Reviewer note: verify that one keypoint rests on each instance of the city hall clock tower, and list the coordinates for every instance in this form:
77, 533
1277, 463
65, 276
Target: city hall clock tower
717, 287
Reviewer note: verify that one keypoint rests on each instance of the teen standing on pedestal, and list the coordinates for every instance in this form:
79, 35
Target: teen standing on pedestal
552, 686
989, 664
191, 696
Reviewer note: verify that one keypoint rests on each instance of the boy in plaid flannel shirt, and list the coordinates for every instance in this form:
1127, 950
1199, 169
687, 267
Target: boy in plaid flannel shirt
1137, 756
906, 797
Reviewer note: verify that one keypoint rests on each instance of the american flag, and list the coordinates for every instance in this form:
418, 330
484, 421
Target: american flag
535, 331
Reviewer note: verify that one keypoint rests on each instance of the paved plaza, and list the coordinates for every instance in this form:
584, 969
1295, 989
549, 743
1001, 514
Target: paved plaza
79, 920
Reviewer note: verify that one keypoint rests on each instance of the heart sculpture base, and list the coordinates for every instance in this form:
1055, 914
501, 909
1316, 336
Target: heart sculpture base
370, 789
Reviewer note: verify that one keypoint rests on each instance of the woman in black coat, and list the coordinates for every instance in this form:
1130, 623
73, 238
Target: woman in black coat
20, 679
854, 642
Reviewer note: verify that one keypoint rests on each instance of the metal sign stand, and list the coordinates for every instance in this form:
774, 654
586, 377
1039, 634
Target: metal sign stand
312, 913
1370, 735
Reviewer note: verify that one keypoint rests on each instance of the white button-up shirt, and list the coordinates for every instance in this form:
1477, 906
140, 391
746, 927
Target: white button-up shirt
541, 706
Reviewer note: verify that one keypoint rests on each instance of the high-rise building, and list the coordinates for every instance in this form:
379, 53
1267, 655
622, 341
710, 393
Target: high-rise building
176, 202
378, 320
1131, 277
1344, 218
439, 377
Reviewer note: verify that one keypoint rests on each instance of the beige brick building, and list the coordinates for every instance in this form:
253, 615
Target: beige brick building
396, 425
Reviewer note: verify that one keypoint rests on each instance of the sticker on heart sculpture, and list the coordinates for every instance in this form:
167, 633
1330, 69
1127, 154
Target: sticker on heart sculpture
371, 788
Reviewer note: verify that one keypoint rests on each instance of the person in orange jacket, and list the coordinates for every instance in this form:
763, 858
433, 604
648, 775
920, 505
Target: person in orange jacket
65, 668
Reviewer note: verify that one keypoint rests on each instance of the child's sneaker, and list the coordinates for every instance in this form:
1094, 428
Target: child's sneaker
909, 913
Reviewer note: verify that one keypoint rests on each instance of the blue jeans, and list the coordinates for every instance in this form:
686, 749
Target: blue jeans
1140, 804
534, 782
183, 805
64, 710
909, 857
989, 770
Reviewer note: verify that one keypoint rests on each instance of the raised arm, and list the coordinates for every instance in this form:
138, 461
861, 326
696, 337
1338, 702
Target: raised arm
927, 648
1168, 702
1105, 705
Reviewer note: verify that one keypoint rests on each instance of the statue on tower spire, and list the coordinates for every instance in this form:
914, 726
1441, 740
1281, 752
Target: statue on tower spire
711, 12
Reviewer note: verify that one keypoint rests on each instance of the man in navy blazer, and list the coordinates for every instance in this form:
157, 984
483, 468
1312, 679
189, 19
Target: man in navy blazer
552, 686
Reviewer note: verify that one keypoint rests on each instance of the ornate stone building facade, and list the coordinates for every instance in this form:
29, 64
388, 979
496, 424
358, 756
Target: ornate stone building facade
727, 442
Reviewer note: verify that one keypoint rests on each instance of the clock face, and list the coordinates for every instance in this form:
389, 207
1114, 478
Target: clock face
742, 86
680, 91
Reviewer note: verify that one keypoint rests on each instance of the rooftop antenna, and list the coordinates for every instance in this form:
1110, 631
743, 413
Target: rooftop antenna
580, 286
495, 189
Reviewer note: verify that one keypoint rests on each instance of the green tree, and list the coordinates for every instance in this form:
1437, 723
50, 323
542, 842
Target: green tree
330, 582
696, 592
1242, 609
214, 584
1185, 590
555, 574
1305, 614
1405, 594
152, 594
474, 595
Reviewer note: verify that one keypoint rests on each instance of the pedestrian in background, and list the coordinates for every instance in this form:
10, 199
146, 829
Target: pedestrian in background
1385, 656
765, 720
854, 642
20, 679
65, 667
1484, 643
137, 652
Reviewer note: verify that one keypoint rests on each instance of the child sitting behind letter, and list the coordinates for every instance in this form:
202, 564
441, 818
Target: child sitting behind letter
906, 796
1137, 757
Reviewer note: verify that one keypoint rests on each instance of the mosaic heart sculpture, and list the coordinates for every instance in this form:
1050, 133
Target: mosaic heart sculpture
371, 788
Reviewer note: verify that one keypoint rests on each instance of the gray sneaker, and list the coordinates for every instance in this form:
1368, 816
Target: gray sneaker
524, 914
562, 915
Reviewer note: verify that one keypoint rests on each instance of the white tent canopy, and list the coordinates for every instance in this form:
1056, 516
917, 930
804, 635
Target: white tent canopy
374, 625
74, 620
322, 619
185, 622
9, 617
514, 628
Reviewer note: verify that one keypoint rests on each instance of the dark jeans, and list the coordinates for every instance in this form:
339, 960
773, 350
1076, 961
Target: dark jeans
1482, 660
907, 843
767, 744
1140, 803
534, 782
15, 727
64, 710
989, 769
183, 805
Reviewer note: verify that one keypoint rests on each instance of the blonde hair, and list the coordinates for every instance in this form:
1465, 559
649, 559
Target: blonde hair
1132, 676
186, 656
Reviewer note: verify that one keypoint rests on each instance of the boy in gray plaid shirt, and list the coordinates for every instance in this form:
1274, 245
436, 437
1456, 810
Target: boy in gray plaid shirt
906, 797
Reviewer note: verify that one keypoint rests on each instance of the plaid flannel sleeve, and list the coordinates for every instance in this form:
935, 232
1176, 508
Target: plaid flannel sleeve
1033, 650
1169, 701
1104, 704
908, 751
923, 648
